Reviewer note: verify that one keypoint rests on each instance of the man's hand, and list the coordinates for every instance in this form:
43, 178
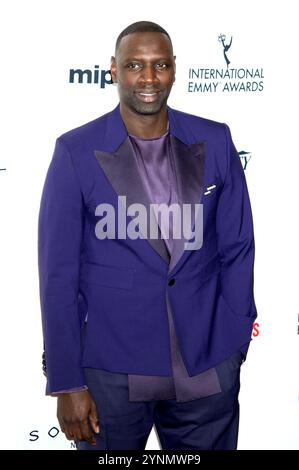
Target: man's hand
77, 416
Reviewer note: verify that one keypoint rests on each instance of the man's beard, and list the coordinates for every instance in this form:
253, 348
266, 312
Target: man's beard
137, 106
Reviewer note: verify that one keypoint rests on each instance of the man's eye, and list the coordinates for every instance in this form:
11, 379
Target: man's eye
133, 66
162, 66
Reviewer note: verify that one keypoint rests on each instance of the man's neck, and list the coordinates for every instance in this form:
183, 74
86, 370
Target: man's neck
145, 126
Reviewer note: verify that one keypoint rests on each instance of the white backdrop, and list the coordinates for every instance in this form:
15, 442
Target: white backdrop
41, 42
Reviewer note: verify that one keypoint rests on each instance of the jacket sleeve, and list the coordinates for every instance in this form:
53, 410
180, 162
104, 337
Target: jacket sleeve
60, 229
236, 239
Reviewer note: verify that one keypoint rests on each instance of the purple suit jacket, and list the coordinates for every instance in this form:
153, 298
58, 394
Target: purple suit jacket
120, 284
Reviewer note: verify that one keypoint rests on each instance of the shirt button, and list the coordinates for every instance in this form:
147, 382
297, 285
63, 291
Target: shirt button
171, 282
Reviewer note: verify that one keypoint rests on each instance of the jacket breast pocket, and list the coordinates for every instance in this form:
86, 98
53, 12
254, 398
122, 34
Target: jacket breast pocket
109, 276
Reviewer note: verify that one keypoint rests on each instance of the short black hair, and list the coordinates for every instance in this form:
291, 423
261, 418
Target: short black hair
141, 27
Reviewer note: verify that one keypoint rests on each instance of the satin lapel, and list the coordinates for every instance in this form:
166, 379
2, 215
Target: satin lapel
189, 169
122, 172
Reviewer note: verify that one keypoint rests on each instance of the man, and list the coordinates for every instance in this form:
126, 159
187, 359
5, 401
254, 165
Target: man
139, 329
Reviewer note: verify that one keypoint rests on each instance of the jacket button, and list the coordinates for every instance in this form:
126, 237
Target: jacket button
171, 282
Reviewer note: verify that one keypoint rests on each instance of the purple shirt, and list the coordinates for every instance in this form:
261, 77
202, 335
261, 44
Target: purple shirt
157, 172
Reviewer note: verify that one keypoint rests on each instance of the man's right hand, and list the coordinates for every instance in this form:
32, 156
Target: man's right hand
77, 416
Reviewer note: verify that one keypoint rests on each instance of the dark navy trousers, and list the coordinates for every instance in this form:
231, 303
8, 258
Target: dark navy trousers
209, 423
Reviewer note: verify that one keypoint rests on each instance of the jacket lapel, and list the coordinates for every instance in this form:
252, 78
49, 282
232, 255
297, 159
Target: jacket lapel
189, 170
121, 171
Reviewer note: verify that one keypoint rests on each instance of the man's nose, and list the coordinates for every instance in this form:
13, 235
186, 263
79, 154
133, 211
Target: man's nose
148, 74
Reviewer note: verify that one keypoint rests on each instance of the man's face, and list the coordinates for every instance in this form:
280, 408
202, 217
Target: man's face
144, 69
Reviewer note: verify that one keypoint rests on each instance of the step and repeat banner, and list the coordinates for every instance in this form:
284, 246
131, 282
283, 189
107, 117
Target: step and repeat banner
237, 62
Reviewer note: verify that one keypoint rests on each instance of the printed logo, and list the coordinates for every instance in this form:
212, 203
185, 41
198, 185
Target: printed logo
47, 435
227, 79
88, 76
245, 157
255, 329
226, 47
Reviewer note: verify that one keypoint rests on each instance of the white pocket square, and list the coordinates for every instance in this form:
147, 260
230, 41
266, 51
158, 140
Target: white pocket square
210, 189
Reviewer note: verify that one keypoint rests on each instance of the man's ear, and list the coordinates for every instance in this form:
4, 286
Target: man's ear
113, 69
174, 66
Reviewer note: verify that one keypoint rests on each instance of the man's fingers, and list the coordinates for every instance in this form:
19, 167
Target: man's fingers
77, 416
94, 422
86, 432
93, 418
72, 431
61, 426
